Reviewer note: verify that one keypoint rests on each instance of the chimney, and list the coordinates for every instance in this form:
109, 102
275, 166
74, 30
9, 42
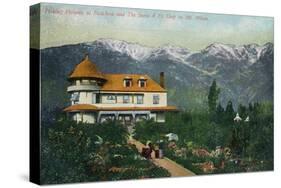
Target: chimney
162, 80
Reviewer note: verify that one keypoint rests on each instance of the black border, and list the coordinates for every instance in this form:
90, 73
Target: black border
34, 103
34, 96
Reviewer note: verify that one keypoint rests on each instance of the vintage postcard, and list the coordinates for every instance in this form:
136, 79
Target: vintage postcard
126, 93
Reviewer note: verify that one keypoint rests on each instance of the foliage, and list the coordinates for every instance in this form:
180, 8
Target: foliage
249, 141
229, 113
82, 152
219, 114
186, 162
149, 131
213, 97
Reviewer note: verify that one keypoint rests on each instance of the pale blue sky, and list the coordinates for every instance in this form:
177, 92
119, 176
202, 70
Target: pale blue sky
196, 32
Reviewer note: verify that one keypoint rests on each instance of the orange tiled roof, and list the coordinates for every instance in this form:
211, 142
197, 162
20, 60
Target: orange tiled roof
86, 69
90, 107
115, 82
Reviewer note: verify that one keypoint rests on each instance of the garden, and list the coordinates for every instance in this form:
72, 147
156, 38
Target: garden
82, 152
216, 139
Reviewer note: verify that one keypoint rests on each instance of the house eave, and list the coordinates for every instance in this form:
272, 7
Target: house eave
91, 108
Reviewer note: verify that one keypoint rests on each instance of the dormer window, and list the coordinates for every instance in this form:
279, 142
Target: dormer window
127, 82
142, 82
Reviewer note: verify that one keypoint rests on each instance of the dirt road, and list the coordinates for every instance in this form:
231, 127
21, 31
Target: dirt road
174, 168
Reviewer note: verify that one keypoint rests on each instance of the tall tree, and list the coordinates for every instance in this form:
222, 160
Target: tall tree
251, 108
229, 112
219, 114
213, 96
242, 110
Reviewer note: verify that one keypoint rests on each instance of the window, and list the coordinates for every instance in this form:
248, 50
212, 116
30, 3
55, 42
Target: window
85, 82
139, 99
111, 97
156, 99
142, 83
93, 82
126, 99
127, 82
75, 97
77, 82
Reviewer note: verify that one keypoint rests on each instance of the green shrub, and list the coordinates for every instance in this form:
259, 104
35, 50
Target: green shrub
72, 152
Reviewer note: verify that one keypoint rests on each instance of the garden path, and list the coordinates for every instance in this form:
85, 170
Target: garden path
174, 168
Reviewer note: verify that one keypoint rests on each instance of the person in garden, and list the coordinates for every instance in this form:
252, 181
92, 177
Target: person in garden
161, 149
146, 151
150, 150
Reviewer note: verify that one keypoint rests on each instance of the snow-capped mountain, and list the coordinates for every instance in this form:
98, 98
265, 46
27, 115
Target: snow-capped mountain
140, 52
171, 52
244, 73
222, 53
134, 50
250, 53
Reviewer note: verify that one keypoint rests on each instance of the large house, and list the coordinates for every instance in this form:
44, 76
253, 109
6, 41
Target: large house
97, 97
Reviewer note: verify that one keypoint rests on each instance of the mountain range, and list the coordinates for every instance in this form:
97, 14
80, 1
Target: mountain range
244, 73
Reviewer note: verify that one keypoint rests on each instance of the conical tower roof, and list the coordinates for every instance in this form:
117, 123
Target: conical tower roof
86, 69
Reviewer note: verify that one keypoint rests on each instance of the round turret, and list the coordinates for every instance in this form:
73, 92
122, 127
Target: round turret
86, 70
